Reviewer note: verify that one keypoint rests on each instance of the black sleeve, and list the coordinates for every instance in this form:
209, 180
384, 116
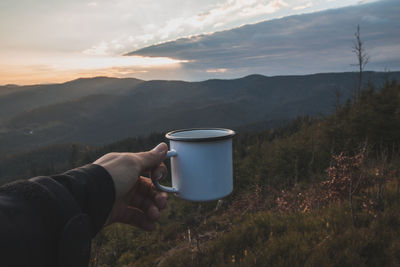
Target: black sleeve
49, 221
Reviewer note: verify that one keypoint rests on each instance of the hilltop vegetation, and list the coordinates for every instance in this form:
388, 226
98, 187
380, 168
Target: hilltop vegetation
103, 110
319, 191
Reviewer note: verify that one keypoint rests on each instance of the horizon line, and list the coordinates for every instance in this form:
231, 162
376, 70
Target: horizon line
192, 81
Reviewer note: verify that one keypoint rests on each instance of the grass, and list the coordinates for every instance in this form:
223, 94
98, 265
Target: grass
325, 237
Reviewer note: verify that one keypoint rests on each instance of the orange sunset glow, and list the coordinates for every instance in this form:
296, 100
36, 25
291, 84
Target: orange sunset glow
34, 69
55, 41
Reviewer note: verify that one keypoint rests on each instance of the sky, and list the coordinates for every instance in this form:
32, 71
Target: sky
295, 45
46, 41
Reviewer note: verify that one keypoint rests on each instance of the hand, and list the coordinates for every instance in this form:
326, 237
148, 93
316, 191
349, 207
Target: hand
137, 202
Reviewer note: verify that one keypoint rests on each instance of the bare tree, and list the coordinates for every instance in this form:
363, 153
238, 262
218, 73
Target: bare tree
362, 60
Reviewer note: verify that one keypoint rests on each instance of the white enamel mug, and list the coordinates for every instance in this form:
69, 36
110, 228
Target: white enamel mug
201, 163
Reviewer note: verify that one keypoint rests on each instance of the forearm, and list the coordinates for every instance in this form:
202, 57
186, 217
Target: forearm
92, 189
46, 219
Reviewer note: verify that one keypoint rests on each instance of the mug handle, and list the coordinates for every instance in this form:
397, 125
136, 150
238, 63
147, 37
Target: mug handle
171, 153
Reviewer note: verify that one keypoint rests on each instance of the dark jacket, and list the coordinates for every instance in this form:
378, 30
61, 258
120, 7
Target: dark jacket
50, 221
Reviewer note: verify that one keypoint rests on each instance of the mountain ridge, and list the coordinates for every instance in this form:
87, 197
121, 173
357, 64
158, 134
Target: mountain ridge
127, 108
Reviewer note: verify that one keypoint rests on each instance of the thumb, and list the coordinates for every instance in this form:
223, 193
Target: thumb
154, 157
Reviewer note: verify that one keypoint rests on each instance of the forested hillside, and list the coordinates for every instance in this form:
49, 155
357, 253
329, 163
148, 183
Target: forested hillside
320, 191
102, 110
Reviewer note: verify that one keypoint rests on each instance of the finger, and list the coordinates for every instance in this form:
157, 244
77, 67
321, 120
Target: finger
143, 195
150, 159
160, 172
146, 205
137, 218
152, 212
141, 202
144, 202
161, 200
145, 187
146, 198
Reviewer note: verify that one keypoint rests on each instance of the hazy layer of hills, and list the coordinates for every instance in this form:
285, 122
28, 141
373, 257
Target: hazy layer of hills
102, 110
16, 99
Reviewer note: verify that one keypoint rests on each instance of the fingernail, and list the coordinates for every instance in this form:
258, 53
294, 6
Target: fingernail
160, 148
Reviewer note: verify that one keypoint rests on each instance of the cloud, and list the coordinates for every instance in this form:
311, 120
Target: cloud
215, 17
220, 70
308, 5
220, 15
92, 4
374, 19
309, 43
101, 49
263, 8
365, 1
59, 68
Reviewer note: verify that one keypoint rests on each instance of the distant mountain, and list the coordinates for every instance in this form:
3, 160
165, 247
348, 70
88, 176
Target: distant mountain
299, 44
121, 108
15, 99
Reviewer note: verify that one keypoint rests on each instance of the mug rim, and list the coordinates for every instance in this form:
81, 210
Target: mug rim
229, 134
